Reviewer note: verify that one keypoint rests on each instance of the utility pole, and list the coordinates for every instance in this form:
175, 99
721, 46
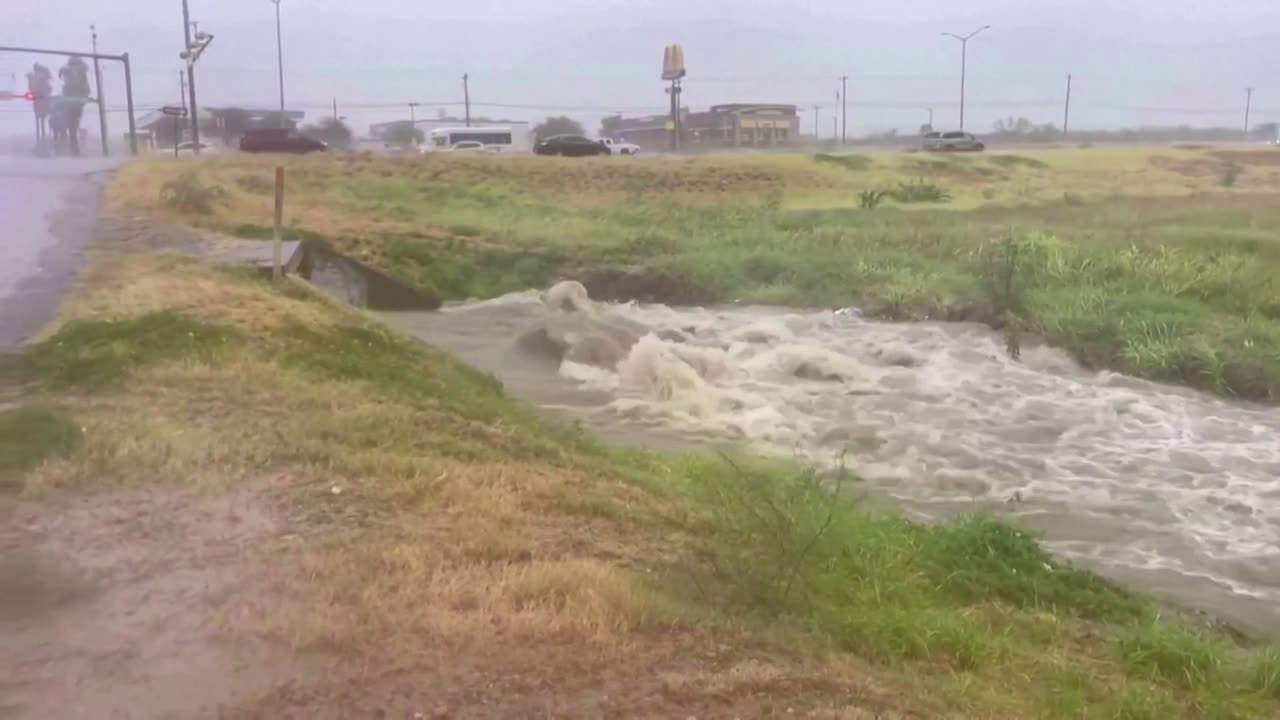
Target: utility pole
466, 96
930, 118
413, 120
1248, 105
191, 79
177, 125
816, 110
964, 52
102, 102
844, 108
835, 118
280, 63
335, 109
1066, 109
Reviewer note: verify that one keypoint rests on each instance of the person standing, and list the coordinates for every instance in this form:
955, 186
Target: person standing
75, 93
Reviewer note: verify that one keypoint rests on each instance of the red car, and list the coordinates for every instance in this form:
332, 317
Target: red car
279, 140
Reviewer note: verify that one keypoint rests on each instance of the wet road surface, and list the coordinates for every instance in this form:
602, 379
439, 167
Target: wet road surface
48, 211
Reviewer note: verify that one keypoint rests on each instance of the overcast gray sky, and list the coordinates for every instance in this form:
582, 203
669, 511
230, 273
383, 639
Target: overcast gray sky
1135, 62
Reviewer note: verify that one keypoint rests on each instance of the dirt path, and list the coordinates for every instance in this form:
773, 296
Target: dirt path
125, 606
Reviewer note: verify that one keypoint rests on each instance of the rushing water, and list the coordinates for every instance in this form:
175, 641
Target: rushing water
1169, 489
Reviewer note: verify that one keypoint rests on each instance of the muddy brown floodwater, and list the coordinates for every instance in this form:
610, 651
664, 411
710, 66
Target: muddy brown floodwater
1167, 489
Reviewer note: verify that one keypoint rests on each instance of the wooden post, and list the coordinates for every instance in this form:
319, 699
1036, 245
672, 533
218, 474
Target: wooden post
276, 271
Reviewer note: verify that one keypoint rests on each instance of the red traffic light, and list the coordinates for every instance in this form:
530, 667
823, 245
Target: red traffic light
29, 96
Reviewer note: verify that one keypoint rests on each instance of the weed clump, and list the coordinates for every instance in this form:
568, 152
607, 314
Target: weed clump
919, 191
254, 183
96, 353
871, 199
788, 544
31, 435
188, 195
1229, 174
857, 163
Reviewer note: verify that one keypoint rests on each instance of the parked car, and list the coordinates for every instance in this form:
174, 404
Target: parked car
621, 147
279, 140
954, 141
471, 146
570, 146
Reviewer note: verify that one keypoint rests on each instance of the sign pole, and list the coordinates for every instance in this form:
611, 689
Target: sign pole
277, 231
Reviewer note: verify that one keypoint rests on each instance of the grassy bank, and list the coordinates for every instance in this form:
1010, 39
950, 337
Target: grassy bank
441, 535
1156, 262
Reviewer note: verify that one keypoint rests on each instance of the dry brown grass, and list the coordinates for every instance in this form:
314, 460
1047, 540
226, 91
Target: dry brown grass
414, 550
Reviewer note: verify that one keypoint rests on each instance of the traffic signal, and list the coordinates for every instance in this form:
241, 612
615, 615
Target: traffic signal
29, 96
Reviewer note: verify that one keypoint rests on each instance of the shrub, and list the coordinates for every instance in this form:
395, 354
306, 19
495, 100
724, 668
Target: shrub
870, 199
28, 436
256, 184
1230, 173
187, 194
919, 191
849, 162
99, 352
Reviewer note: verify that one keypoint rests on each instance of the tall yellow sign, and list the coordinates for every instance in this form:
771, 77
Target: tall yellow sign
673, 63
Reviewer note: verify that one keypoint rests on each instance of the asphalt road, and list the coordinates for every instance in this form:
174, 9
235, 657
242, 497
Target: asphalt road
48, 213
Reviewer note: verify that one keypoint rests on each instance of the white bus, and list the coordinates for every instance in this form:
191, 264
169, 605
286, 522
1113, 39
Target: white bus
503, 138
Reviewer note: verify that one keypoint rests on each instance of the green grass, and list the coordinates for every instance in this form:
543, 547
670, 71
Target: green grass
974, 598
96, 353
972, 616
1182, 292
1132, 260
31, 435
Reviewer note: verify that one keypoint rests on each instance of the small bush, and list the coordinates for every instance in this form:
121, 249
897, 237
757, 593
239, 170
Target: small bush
1169, 652
1008, 161
29, 436
1229, 174
95, 353
871, 199
1266, 674
256, 184
856, 163
1071, 199
919, 191
188, 195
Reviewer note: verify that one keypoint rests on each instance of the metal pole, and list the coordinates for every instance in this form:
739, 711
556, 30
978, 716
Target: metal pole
102, 101
280, 61
1248, 105
816, 118
466, 94
964, 51
277, 225
128, 91
844, 109
964, 55
1066, 110
191, 80
675, 142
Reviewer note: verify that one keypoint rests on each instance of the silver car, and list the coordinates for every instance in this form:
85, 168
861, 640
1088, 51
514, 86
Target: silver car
955, 141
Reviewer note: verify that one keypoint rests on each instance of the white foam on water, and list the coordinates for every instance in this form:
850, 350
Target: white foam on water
934, 412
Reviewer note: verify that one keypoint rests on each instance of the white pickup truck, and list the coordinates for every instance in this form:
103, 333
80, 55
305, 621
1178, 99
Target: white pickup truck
620, 147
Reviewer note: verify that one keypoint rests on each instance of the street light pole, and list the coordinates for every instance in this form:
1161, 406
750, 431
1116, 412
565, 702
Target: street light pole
964, 52
191, 80
102, 103
279, 61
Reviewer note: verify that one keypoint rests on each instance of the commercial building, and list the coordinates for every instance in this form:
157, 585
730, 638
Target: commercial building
722, 126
